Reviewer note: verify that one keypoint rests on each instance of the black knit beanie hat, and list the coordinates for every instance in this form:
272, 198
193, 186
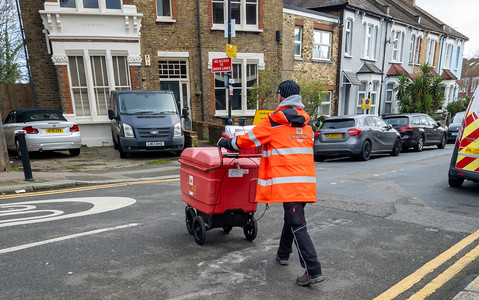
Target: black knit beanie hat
288, 88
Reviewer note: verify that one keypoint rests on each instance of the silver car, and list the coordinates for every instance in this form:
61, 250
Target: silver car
359, 136
46, 130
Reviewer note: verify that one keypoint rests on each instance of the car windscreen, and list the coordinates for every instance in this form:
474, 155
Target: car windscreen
338, 124
40, 115
147, 103
459, 117
398, 121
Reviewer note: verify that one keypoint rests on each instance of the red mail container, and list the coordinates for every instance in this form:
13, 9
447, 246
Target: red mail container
214, 184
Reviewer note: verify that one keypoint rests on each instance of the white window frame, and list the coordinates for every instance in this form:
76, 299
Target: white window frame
448, 56
417, 54
101, 7
298, 33
389, 100
397, 45
371, 89
361, 96
412, 47
431, 51
328, 95
84, 98
244, 59
164, 18
239, 26
370, 41
321, 44
348, 37
458, 55
116, 72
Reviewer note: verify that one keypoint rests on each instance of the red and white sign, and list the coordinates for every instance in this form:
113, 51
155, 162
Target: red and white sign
221, 65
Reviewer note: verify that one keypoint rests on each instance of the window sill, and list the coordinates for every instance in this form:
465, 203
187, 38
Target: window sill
348, 55
395, 62
165, 20
318, 60
369, 59
222, 28
298, 58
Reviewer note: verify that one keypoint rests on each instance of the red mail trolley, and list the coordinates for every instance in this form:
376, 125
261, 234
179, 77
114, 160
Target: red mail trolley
219, 189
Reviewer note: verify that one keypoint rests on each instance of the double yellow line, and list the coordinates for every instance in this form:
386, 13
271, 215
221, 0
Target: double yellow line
442, 278
84, 188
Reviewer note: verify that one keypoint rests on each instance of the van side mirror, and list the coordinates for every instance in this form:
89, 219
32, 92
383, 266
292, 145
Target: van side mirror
185, 113
111, 114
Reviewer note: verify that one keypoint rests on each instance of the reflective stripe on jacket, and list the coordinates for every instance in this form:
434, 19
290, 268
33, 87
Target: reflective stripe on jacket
286, 171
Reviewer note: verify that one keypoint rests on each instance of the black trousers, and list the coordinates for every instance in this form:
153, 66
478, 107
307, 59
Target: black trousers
294, 229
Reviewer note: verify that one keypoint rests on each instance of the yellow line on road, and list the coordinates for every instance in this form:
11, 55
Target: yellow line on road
84, 188
444, 277
415, 277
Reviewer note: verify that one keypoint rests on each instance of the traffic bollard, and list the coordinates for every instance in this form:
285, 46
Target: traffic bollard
27, 169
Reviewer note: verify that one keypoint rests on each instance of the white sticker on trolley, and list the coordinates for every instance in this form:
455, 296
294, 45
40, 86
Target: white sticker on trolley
237, 172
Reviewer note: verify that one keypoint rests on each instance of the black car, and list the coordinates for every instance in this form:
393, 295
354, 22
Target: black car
453, 128
418, 130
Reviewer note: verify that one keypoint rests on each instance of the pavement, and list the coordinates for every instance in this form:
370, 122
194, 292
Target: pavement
103, 165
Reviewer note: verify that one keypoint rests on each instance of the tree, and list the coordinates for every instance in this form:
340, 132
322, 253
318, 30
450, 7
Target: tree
264, 91
424, 94
457, 106
11, 58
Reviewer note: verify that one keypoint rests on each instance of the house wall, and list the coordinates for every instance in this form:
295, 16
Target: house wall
305, 68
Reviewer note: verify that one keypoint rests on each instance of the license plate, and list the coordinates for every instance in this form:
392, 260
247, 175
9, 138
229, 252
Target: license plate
54, 130
155, 144
334, 136
453, 133
237, 172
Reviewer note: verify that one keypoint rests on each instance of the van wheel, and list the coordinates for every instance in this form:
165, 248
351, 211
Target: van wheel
420, 144
115, 144
123, 154
455, 182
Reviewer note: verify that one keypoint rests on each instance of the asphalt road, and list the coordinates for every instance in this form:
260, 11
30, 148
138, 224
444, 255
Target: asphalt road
376, 223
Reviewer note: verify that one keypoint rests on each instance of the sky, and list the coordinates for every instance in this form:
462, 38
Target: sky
462, 15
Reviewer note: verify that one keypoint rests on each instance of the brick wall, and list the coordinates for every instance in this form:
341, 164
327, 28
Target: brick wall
307, 68
182, 35
44, 77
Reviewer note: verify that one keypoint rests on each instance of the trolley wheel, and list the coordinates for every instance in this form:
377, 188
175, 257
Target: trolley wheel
251, 229
227, 229
199, 230
190, 216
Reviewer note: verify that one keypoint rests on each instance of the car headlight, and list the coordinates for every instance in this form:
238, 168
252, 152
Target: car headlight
128, 130
177, 129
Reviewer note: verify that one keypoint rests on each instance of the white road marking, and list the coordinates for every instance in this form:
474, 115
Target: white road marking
63, 238
100, 205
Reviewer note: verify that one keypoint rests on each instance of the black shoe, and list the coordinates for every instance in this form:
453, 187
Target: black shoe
307, 279
282, 261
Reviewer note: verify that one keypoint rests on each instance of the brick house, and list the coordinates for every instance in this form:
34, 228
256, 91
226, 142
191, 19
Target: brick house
80, 50
310, 50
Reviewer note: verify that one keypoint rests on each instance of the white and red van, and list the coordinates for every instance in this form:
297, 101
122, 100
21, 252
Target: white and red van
465, 158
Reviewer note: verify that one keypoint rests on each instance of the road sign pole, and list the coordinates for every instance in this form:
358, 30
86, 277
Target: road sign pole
229, 121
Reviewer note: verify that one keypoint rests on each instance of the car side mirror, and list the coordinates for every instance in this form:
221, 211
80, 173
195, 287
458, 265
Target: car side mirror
389, 126
438, 124
111, 114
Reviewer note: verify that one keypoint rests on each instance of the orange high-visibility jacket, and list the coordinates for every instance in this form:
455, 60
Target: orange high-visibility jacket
286, 171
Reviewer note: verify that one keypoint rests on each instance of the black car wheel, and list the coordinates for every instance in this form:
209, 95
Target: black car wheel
74, 152
319, 158
420, 144
455, 182
443, 142
17, 147
366, 151
396, 148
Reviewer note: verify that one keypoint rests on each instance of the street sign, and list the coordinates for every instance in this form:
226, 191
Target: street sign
231, 50
366, 104
221, 65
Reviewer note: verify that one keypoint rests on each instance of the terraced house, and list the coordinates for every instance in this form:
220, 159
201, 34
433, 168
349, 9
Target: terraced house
381, 39
80, 50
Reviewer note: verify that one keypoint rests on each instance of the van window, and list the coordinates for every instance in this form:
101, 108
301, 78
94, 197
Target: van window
147, 103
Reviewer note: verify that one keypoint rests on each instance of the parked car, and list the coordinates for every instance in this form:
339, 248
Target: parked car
355, 135
465, 157
46, 130
453, 128
418, 130
145, 121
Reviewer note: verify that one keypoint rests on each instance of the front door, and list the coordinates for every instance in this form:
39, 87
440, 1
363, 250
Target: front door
180, 90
